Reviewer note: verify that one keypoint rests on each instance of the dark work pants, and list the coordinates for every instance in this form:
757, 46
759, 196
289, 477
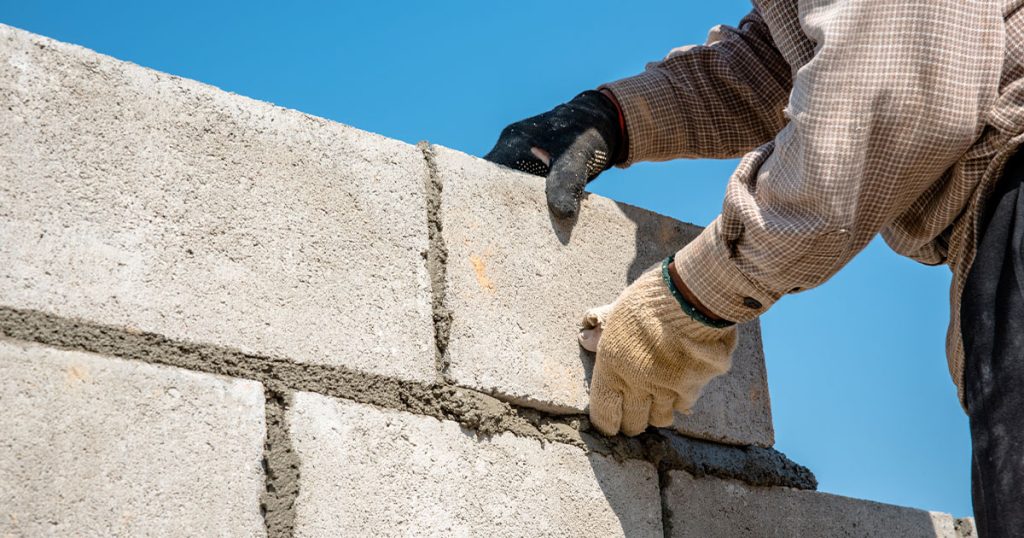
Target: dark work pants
992, 314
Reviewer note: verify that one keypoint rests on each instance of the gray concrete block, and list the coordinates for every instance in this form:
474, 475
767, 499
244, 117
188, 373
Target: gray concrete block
367, 471
713, 507
93, 446
736, 408
518, 283
138, 199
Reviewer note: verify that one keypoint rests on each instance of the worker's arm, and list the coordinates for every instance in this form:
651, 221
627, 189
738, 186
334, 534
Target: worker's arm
716, 100
893, 95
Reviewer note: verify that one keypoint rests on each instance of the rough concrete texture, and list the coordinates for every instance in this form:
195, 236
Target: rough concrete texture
367, 471
94, 446
702, 507
475, 410
142, 200
736, 407
519, 281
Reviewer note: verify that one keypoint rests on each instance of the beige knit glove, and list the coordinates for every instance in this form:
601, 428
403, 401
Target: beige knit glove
652, 357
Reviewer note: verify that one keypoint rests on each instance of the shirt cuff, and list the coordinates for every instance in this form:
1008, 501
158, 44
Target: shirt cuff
650, 138
707, 267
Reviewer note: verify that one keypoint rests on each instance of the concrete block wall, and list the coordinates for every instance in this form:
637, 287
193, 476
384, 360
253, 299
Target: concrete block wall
100, 446
221, 317
518, 282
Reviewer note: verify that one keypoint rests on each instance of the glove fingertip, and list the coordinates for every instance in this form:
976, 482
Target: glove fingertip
589, 338
562, 207
636, 413
500, 155
662, 415
605, 410
606, 427
597, 316
564, 188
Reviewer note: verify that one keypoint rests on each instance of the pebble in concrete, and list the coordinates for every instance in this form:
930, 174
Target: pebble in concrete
374, 472
94, 446
142, 200
518, 283
713, 507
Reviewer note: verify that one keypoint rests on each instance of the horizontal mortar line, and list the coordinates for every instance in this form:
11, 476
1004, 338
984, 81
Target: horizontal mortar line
477, 411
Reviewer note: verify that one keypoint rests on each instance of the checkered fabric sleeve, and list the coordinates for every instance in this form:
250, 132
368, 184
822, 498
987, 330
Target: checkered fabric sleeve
716, 100
890, 96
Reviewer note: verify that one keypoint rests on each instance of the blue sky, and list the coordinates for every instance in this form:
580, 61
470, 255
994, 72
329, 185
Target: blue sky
857, 371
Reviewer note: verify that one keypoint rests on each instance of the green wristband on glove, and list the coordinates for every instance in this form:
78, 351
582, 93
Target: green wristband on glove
687, 307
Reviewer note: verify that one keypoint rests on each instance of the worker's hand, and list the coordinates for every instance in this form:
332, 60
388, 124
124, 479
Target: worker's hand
652, 357
570, 145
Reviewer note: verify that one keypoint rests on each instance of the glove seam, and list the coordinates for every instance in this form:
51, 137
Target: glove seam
611, 131
622, 143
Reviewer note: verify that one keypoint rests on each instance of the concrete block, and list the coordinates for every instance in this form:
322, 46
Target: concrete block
519, 281
94, 446
736, 408
373, 472
713, 507
141, 200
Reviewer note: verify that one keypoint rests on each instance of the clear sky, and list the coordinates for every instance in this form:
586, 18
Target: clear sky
857, 371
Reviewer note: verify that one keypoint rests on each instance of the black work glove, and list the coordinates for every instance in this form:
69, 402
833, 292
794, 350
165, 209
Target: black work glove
582, 138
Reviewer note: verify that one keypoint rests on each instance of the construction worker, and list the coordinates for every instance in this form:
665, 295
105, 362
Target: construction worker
853, 118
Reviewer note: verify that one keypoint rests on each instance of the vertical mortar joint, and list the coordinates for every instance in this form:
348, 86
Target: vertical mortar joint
664, 481
437, 262
280, 467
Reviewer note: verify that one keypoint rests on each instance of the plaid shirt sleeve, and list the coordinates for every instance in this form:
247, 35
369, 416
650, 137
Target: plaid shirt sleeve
717, 100
891, 97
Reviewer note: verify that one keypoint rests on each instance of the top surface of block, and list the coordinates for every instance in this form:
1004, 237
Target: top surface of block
142, 200
518, 283
701, 507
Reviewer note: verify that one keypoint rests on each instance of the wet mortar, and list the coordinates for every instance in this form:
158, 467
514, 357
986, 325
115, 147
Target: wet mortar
482, 413
436, 259
280, 467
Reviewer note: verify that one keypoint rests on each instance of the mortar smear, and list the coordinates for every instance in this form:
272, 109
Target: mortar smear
484, 414
281, 467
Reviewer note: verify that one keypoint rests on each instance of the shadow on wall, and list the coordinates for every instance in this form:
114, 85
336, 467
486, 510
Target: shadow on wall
655, 238
634, 497
632, 493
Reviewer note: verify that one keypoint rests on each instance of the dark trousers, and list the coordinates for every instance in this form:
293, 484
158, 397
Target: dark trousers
992, 314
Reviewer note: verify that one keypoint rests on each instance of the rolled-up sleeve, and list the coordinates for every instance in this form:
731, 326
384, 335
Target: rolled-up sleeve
717, 100
894, 93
